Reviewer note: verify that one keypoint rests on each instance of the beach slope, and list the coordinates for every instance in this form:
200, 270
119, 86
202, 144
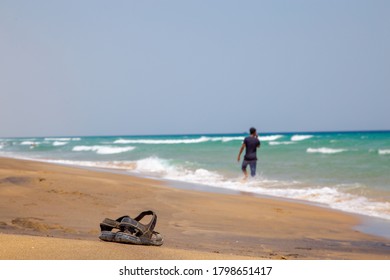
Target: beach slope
53, 212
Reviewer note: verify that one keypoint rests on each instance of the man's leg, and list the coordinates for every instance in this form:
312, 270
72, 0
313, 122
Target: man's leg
243, 168
253, 168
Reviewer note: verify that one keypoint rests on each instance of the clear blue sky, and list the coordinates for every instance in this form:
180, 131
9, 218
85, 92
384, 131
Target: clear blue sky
172, 67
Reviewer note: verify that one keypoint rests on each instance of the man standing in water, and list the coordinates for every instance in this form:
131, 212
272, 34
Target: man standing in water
250, 144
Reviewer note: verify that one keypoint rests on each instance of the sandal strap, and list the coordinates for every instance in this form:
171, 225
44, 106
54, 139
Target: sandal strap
109, 224
125, 223
147, 228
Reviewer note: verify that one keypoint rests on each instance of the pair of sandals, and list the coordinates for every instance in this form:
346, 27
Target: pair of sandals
131, 231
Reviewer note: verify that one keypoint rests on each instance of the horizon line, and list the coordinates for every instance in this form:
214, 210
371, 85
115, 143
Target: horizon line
200, 134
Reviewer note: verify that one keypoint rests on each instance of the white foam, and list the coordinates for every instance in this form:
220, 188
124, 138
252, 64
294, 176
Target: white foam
154, 165
270, 137
63, 139
384, 152
123, 141
165, 169
103, 150
30, 143
162, 141
198, 176
325, 150
281, 143
192, 140
300, 137
227, 139
59, 143
123, 165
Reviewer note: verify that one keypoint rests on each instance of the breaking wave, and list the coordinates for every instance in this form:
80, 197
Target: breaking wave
29, 143
201, 139
162, 141
300, 137
281, 143
103, 150
270, 137
59, 143
325, 150
384, 152
63, 139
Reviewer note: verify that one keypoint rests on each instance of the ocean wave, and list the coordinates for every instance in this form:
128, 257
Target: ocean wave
325, 150
202, 139
384, 152
154, 165
121, 165
165, 169
103, 150
162, 141
228, 139
300, 137
59, 143
29, 143
281, 143
270, 137
63, 139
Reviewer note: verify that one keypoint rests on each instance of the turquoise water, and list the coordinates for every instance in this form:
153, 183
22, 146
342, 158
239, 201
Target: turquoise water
348, 171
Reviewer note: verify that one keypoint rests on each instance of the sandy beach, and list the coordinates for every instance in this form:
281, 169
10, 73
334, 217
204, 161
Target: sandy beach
53, 212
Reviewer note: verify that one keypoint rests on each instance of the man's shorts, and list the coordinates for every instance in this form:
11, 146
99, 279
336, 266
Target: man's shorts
252, 165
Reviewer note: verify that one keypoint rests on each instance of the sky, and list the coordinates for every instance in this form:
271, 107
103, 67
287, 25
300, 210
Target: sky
177, 67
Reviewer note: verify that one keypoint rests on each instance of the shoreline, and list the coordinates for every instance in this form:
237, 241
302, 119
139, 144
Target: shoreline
51, 201
367, 224
370, 225
317, 175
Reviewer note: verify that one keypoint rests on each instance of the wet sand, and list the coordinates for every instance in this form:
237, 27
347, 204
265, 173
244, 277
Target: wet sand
53, 212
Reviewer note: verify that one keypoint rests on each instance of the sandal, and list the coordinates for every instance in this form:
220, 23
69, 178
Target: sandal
131, 231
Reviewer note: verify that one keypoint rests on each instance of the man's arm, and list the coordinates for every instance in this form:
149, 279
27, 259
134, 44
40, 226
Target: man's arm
259, 144
242, 149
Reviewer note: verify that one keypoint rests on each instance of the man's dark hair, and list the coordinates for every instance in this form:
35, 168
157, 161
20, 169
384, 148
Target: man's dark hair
252, 130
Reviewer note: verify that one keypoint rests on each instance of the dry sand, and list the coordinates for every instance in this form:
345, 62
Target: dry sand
53, 212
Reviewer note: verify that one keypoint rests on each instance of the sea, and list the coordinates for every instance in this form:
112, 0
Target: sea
346, 171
